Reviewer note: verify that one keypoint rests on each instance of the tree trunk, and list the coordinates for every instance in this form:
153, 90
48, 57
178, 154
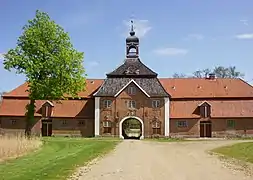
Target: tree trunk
29, 117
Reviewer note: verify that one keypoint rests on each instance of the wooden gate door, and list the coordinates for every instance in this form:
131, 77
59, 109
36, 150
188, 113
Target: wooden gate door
46, 129
202, 129
206, 129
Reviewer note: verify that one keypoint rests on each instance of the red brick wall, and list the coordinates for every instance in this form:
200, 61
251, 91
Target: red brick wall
143, 110
219, 127
70, 126
16, 125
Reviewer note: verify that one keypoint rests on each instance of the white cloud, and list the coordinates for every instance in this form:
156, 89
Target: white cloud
171, 51
244, 21
141, 27
93, 63
195, 37
245, 36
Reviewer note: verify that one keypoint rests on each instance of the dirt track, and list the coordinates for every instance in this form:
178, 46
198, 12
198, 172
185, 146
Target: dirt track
144, 160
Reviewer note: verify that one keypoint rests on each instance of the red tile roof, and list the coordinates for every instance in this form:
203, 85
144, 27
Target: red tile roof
64, 108
91, 87
176, 87
206, 88
227, 108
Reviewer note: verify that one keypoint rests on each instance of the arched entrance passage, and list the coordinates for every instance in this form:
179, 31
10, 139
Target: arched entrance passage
131, 120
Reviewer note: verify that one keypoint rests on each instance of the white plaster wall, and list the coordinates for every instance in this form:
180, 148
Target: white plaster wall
167, 116
97, 116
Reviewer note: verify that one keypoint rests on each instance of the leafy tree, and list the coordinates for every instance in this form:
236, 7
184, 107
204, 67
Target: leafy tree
45, 55
219, 71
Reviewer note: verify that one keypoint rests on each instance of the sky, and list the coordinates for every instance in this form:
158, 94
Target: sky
176, 36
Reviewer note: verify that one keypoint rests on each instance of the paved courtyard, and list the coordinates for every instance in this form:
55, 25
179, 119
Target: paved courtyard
148, 160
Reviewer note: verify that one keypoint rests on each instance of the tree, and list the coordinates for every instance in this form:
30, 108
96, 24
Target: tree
219, 71
45, 55
1, 94
177, 75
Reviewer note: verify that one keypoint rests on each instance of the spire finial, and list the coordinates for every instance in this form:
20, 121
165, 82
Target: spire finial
132, 33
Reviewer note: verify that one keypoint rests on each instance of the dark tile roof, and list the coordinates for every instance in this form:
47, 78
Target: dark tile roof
132, 67
151, 86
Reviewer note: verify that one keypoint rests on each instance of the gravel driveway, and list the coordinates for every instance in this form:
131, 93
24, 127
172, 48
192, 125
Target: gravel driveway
147, 160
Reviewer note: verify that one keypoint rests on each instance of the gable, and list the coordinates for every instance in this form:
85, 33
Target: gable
128, 84
112, 86
48, 103
204, 103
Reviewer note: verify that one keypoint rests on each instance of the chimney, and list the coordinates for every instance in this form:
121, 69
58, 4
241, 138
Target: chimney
211, 76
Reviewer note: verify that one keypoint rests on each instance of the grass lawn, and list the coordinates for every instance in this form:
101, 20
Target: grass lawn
57, 159
241, 151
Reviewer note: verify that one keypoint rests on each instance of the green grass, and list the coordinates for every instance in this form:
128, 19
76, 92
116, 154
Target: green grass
57, 159
240, 151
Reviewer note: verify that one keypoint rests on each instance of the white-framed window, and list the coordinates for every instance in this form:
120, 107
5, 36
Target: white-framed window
131, 104
156, 124
107, 103
155, 103
131, 90
107, 124
182, 124
205, 111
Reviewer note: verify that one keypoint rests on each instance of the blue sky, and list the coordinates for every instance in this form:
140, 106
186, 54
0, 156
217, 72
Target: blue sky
175, 36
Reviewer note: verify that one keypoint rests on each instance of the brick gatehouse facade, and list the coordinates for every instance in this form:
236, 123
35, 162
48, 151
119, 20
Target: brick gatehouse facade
192, 107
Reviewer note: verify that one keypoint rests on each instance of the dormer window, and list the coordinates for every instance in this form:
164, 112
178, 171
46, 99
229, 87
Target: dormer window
47, 109
205, 110
131, 90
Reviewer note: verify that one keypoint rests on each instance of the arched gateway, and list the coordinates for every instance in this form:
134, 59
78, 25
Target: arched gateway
121, 124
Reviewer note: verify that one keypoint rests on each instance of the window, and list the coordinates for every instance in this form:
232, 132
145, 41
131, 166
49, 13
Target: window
182, 124
156, 130
205, 110
131, 104
81, 123
64, 122
13, 122
156, 126
107, 127
155, 103
131, 90
230, 123
107, 123
107, 103
132, 51
47, 109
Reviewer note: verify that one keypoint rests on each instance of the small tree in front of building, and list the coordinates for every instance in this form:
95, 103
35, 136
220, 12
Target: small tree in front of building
52, 67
